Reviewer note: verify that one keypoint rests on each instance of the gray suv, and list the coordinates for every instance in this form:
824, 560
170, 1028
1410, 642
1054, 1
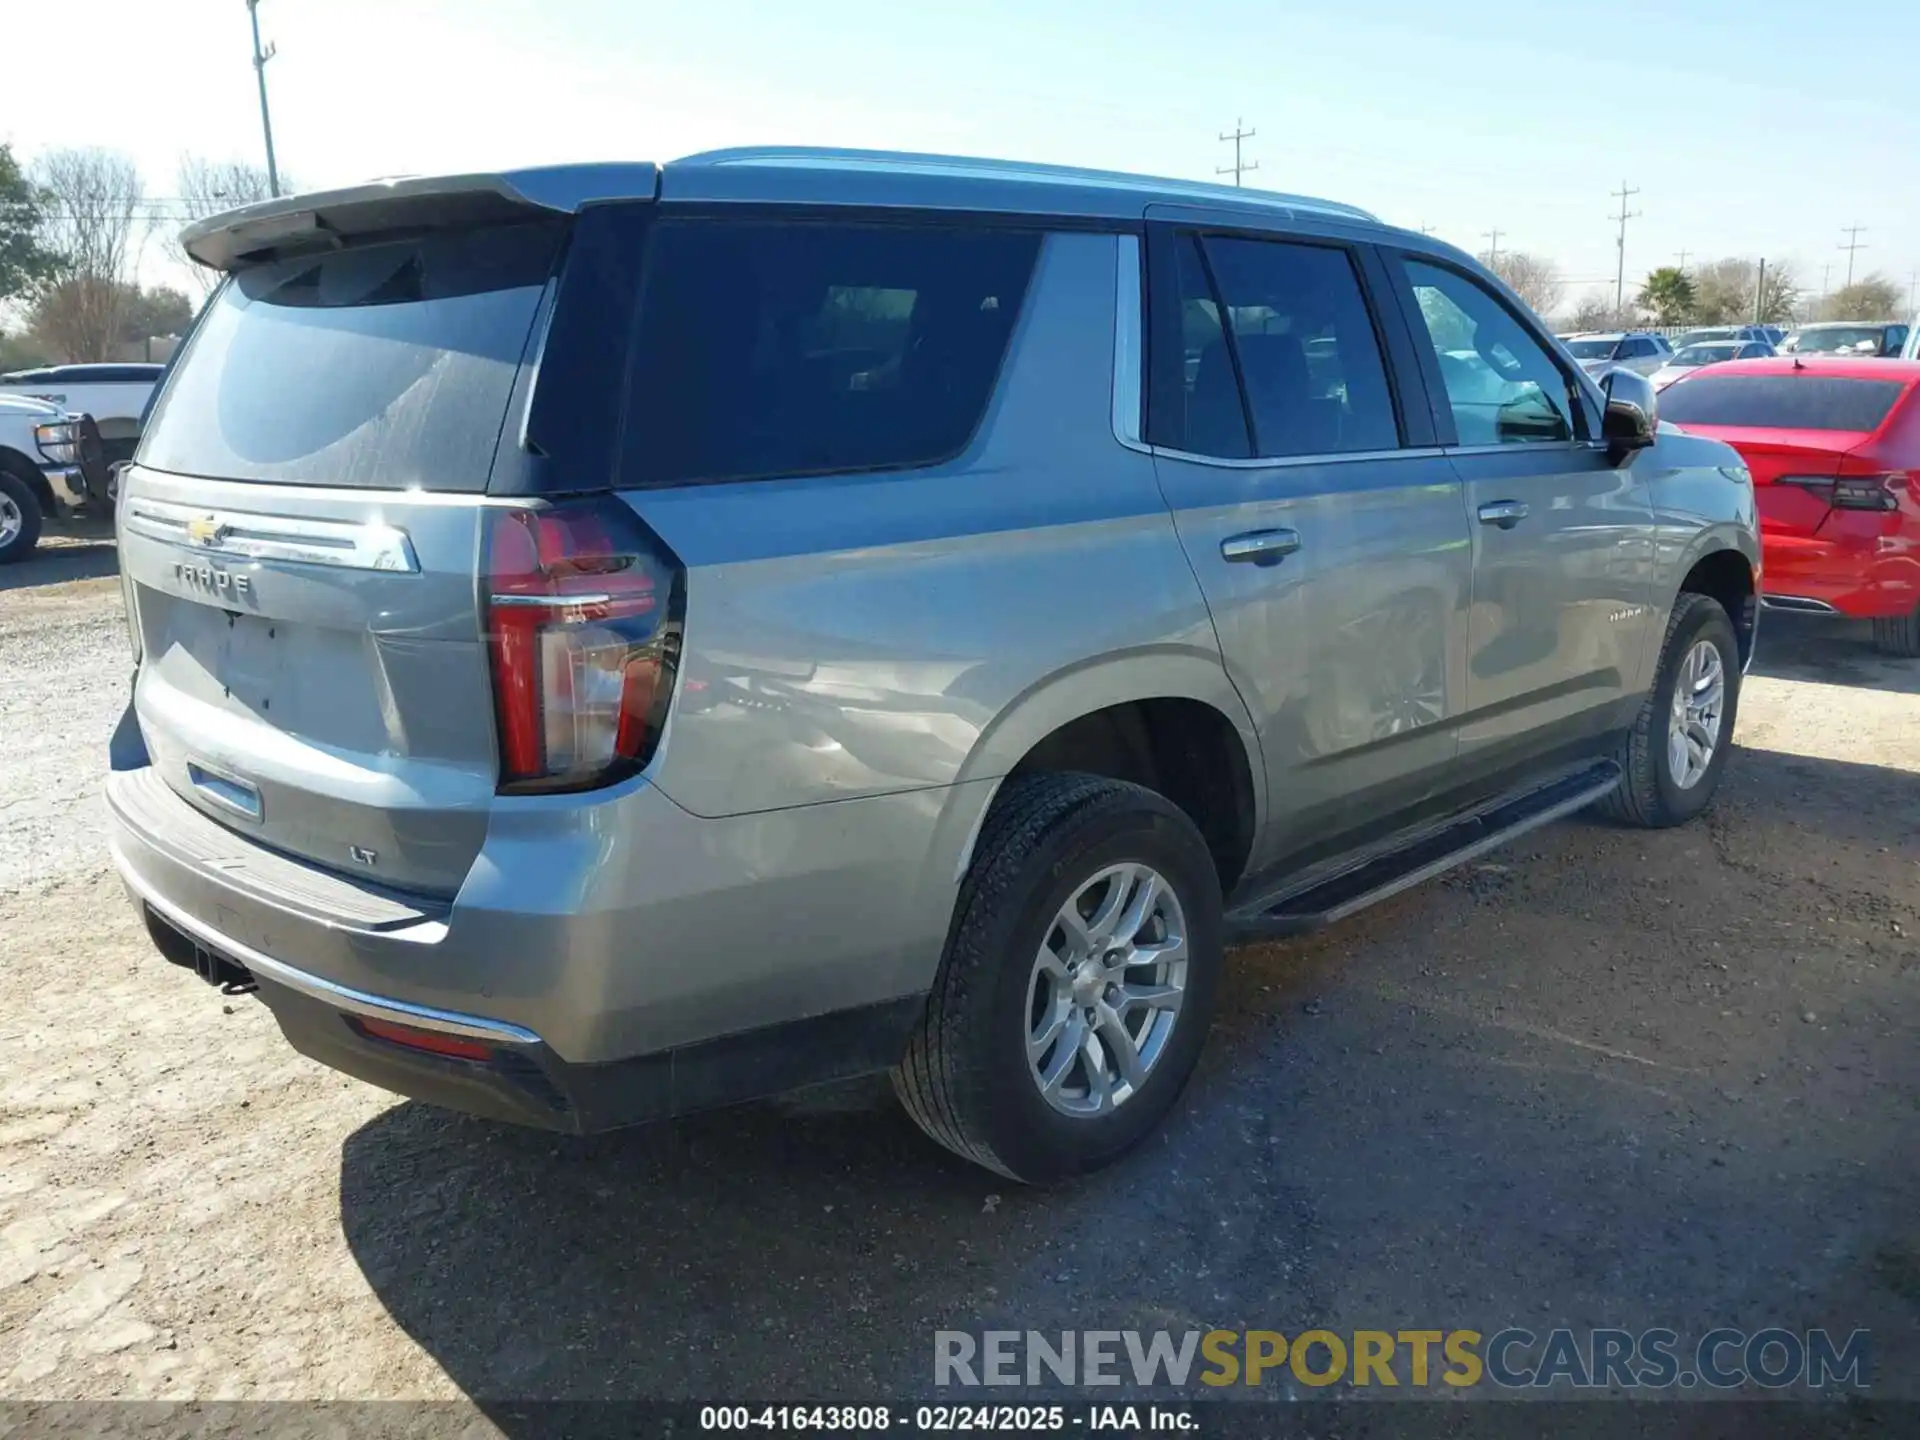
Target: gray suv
623, 639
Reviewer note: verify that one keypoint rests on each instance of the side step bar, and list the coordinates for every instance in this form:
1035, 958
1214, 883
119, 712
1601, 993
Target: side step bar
1325, 899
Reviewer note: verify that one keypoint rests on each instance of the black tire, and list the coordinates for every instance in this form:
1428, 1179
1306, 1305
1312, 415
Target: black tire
965, 1077
22, 496
1899, 635
1649, 796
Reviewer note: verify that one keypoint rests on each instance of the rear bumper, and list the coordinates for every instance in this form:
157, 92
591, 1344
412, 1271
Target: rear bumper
678, 997
1866, 568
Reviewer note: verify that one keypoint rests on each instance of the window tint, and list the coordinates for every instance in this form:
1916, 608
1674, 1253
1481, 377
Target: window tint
1501, 384
1309, 359
1781, 402
384, 366
794, 348
1198, 408
1592, 349
1637, 349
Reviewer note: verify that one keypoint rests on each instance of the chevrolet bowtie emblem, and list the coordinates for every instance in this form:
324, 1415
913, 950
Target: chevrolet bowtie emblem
205, 530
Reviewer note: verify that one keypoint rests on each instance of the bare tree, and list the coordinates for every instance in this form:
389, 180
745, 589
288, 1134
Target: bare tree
90, 223
208, 187
1724, 293
1596, 312
1874, 297
1533, 278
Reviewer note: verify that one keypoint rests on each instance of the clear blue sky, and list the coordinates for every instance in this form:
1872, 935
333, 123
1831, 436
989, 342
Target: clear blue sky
1751, 127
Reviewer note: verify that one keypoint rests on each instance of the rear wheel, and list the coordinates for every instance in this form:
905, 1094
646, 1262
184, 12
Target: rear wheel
1078, 981
1672, 758
1899, 635
20, 518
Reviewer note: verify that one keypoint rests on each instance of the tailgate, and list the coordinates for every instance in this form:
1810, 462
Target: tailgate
300, 534
313, 672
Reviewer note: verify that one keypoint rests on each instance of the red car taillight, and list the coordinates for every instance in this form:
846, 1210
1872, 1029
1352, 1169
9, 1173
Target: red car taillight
583, 627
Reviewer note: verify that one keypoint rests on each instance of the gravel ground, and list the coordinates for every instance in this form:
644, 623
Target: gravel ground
1608, 1078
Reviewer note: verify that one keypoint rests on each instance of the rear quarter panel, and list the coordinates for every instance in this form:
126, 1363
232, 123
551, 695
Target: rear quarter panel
852, 636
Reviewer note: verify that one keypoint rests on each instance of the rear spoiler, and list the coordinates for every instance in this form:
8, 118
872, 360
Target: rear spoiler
327, 218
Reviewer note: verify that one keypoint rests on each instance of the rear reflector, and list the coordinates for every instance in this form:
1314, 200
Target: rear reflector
582, 626
432, 1042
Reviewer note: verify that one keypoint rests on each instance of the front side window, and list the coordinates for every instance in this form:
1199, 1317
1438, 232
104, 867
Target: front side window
776, 348
1501, 384
1279, 354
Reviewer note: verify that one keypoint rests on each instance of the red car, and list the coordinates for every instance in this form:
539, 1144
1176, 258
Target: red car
1834, 447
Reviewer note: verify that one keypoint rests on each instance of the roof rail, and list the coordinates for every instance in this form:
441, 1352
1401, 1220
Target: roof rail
1149, 187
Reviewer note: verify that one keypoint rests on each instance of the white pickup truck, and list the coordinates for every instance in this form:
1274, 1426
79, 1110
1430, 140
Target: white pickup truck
51, 464
114, 395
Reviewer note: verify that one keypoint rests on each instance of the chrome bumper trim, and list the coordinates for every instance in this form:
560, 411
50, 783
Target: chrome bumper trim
341, 997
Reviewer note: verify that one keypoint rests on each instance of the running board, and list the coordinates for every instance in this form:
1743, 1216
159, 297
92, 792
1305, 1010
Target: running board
1429, 853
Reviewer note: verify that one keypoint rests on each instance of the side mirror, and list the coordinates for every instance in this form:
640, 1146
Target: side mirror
1631, 415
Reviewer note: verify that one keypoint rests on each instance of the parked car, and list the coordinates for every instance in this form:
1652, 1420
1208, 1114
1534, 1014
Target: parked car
1709, 352
1641, 351
114, 395
50, 466
1846, 337
1705, 333
805, 628
1834, 447
1911, 349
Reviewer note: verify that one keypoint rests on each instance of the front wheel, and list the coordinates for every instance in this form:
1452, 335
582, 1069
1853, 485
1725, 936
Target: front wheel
20, 518
1672, 758
1078, 981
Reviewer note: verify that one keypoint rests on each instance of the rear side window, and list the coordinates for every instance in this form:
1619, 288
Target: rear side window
1285, 326
793, 348
1781, 402
381, 366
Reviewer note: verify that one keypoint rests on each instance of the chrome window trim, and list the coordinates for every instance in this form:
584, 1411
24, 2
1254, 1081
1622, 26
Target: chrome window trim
346, 544
1294, 462
1129, 383
1534, 447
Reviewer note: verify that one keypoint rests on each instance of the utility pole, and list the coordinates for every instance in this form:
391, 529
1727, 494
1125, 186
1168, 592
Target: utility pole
1623, 194
1492, 237
1239, 167
260, 59
1759, 289
1852, 232
1683, 260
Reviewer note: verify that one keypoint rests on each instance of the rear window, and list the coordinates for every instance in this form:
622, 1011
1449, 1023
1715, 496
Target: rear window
1781, 402
384, 366
794, 348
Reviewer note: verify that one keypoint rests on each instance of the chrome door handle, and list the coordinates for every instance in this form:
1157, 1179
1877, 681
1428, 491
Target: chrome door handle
1262, 547
1504, 513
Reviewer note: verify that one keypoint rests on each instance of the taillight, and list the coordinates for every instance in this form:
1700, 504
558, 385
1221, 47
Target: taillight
1867, 492
583, 628
1851, 492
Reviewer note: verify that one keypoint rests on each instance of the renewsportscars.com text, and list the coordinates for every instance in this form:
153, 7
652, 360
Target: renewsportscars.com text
1514, 1358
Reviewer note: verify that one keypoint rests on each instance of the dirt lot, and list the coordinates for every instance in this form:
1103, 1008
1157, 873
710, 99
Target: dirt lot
1610, 1078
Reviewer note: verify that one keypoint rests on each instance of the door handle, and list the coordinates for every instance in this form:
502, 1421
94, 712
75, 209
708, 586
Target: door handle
1504, 513
1261, 547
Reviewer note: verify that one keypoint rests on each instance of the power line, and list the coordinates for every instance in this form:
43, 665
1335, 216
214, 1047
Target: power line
1239, 166
260, 59
1852, 232
1623, 194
